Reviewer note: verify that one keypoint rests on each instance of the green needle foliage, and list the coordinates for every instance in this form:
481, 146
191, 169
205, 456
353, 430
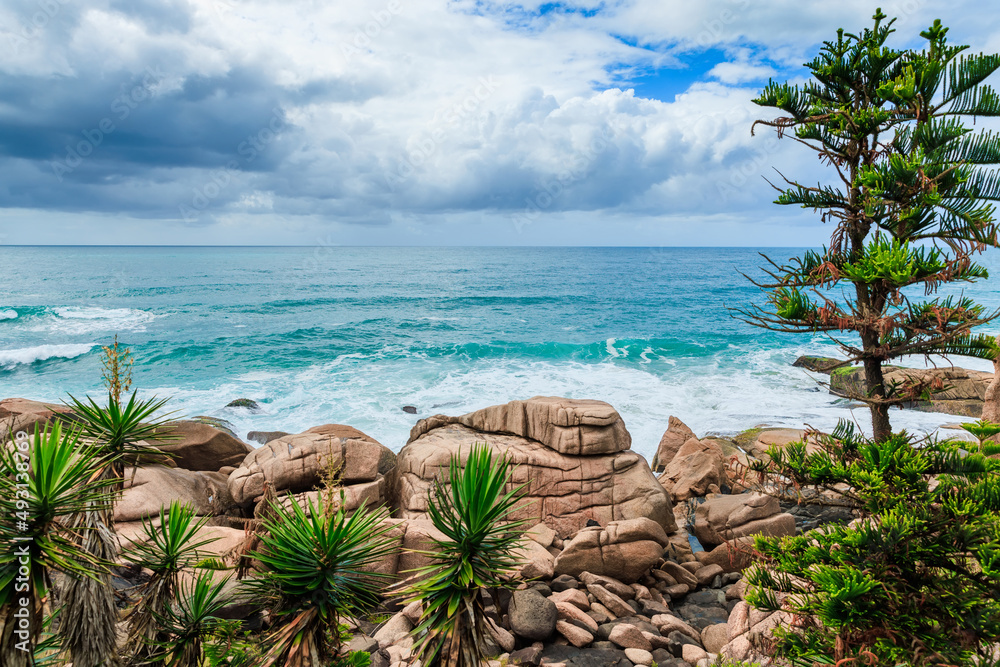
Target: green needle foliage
914, 581
474, 515
192, 622
316, 564
37, 508
165, 549
910, 192
983, 430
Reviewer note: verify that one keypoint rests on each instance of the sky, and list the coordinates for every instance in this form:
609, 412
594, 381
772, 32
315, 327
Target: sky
413, 122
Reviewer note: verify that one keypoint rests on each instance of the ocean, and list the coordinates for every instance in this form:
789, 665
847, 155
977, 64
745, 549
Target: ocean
353, 335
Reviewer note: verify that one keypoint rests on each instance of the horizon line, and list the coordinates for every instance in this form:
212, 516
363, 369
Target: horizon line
174, 245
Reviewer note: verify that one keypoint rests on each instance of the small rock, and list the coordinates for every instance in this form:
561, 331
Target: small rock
641, 592
576, 635
652, 608
677, 591
681, 574
532, 655
531, 615
692, 654
668, 624
410, 409
664, 577
639, 656
714, 637
615, 604
541, 533
394, 629
629, 636
569, 612
564, 582
623, 591
362, 643
600, 613
573, 596
707, 574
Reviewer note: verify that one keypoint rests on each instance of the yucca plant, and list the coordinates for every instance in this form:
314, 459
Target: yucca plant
45, 482
121, 430
191, 622
165, 549
316, 574
474, 513
118, 431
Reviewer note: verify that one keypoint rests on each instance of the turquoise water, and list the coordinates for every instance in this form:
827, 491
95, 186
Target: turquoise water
352, 335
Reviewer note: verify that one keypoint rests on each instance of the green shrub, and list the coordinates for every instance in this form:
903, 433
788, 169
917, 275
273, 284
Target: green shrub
916, 580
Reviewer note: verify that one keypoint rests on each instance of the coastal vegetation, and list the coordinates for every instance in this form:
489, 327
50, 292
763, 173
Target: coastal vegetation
910, 196
914, 580
477, 554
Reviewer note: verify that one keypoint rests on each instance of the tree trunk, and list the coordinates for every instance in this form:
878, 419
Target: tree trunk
875, 382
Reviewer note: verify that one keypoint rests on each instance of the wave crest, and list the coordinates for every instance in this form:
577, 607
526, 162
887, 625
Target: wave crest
29, 355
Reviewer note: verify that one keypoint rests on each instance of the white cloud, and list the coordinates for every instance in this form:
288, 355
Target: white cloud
399, 112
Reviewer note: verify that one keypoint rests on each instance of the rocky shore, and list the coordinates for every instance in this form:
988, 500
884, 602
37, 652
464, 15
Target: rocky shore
624, 563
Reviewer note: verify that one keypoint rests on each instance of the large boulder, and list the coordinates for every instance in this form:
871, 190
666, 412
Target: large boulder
674, 437
568, 426
365, 494
153, 487
698, 466
296, 462
22, 414
194, 445
726, 517
955, 391
564, 491
624, 550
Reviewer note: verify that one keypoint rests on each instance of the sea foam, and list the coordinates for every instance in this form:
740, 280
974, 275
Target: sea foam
29, 355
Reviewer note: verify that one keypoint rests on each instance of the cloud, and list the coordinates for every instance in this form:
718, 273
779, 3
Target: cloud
385, 114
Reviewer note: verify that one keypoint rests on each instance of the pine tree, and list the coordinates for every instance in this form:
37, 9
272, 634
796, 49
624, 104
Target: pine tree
910, 194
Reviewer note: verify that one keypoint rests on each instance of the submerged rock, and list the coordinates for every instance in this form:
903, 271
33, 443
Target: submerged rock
247, 403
